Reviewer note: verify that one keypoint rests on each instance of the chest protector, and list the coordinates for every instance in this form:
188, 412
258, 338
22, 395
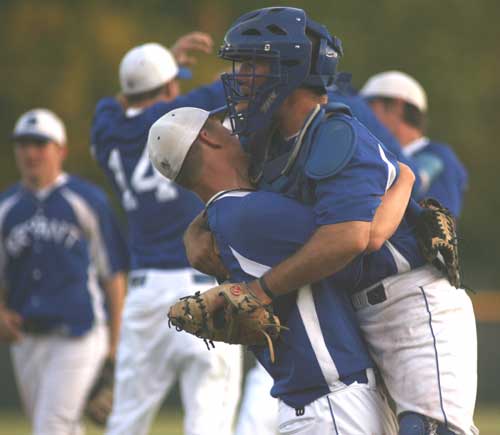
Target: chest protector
323, 148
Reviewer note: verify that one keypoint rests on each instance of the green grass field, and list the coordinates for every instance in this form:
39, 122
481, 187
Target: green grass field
170, 423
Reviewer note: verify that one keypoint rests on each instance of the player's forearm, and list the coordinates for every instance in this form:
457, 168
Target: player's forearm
201, 250
329, 250
115, 289
392, 209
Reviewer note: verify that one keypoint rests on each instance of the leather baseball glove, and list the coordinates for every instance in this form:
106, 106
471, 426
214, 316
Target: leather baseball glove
240, 319
437, 238
100, 400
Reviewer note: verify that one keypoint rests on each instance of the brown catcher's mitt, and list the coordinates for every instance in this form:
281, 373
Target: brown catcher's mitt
100, 401
240, 318
436, 234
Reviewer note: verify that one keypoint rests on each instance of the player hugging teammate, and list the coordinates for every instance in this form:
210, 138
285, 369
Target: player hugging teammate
342, 285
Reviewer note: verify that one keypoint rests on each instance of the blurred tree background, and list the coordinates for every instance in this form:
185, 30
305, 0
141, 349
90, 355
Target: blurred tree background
64, 55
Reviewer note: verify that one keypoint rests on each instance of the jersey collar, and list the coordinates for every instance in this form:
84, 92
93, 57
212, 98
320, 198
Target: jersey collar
133, 111
415, 146
240, 192
42, 194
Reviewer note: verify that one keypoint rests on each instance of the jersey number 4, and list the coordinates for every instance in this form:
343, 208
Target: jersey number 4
145, 178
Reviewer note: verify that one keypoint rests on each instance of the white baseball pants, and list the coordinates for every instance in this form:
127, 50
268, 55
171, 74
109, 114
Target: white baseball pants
259, 410
54, 374
423, 339
152, 356
356, 409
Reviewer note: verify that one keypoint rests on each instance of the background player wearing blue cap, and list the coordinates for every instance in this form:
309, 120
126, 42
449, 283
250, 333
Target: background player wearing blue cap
59, 242
324, 157
152, 356
400, 103
322, 374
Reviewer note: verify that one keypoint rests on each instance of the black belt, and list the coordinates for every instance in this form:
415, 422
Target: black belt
38, 327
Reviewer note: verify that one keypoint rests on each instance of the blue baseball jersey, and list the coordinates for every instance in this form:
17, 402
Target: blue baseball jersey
55, 247
254, 232
351, 194
443, 175
158, 210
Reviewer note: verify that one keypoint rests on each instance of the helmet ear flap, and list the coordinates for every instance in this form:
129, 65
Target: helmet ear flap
326, 63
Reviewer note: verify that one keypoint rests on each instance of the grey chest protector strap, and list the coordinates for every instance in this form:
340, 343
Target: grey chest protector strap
325, 144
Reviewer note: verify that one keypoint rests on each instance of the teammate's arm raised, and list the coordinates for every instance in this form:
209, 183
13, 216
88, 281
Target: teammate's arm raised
194, 41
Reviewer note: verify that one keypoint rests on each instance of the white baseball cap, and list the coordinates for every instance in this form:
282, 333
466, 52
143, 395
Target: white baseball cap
40, 124
396, 84
147, 67
170, 138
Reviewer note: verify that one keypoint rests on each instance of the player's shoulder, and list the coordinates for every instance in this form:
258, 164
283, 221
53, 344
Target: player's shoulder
87, 190
229, 201
441, 148
444, 152
241, 210
248, 201
107, 114
10, 193
108, 104
334, 142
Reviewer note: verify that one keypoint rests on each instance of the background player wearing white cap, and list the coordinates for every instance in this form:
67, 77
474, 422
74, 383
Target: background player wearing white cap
58, 242
400, 103
152, 356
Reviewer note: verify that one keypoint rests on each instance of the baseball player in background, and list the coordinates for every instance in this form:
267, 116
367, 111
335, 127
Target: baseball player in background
322, 372
151, 356
58, 243
413, 319
400, 103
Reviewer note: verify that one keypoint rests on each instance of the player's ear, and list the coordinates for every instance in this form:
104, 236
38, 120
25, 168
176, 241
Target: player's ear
63, 153
209, 137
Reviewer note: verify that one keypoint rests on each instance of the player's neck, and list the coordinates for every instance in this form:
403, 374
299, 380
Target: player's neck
40, 182
295, 110
407, 134
210, 186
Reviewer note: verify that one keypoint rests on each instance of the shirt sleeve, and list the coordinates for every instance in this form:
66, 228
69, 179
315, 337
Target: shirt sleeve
113, 255
264, 227
355, 193
207, 97
448, 186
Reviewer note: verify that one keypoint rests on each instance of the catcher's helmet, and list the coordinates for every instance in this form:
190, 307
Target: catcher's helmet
281, 36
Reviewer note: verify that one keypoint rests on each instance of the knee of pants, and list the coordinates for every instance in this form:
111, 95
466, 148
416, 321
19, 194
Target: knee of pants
443, 430
411, 423
55, 425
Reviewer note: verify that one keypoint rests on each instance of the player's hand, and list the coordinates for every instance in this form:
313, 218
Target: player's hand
194, 41
202, 251
10, 325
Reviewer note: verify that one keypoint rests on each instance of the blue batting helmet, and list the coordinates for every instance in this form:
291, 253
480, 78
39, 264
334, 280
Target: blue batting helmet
283, 37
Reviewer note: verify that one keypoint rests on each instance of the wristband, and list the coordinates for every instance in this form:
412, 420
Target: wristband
266, 288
